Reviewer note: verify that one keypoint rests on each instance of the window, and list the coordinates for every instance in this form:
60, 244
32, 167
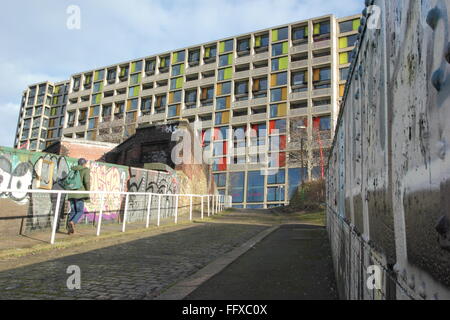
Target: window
173, 111
324, 123
123, 72
223, 103
280, 48
132, 105
259, 87
261, 41
210, 53
106, 112
194, 57
176, 83
135, 79
179, 56
87, 80
278, 178
164, 63
220, 179
134, 91
150, 66
146, 105
136, 66
94, 111
222, 117
344, 73
237, 182
280, 63
160, 101
207, 94
191, 97
241, 90
322, 28
225, 74
278, 110
300, 33
280, 34
178, 70
275, 194
278, 79
278, 94
321, 102
98, 86
99, 75
225, 60
277, 126
226, 46
92, 123
349, 41
243, 46
175, 96
76, 83
224, 88
348, 26
255, 187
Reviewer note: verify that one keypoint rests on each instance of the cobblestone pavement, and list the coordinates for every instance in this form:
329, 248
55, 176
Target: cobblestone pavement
139, 269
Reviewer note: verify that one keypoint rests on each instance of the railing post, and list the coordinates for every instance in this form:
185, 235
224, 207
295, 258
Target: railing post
159, 208
201, 198
148, 210
209, 205
176, 209
55, 219
100, 215
125, 214
190, 208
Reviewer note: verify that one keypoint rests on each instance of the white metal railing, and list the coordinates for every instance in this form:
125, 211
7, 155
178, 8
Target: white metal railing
215, 203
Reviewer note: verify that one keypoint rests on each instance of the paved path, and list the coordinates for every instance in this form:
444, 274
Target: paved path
292, 263
139, 269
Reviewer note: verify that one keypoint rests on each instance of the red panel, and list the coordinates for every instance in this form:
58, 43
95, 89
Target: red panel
282, 159
271, 126
316, 123
282, 142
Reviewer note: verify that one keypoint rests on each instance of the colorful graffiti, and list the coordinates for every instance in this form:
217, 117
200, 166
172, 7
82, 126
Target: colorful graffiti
22, 170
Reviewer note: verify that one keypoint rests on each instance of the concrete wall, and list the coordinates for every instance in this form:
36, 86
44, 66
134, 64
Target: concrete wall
21, 212
388, 182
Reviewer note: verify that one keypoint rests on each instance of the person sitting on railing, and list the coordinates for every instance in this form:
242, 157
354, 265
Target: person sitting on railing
78, 179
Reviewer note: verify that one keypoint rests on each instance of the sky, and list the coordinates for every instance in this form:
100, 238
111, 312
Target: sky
38, 46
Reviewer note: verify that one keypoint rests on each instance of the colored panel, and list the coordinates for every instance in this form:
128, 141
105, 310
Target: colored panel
274, 35
162, 63
207, 52
356, 24
317, 29
283, 63
306, 31
230, 58
219, 89
226, 117
228, 102
258, 41
343, 42
283, 93
175, 57
182, 69
342, 90
179, 82
282, 110
273, 80
228, 73
285, 47
316, 75
171, 96
343, 58
222, 47
133, 67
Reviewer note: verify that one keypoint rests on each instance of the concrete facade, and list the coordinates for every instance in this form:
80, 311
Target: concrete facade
388, 175
287, 78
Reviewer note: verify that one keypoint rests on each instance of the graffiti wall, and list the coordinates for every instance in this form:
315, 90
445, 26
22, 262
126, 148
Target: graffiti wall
389, 172
23, 170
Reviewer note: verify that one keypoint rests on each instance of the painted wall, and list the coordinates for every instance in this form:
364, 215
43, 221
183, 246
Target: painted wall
23, 170
389, 172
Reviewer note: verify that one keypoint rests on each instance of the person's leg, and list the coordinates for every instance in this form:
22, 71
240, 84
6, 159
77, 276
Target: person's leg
72, 214
80, 211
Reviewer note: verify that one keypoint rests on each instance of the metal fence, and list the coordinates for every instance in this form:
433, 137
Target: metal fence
132, 206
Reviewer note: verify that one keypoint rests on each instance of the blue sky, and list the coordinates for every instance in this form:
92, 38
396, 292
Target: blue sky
37, 46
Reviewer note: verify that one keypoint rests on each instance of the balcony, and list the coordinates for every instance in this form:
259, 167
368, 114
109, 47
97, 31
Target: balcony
148, 79
321, 92
322, 109
259, 71
299, 112
299, 95
240, 119
192, 84
300, 48
321, 60
207, 67
157, 90
240, 104
261, 56
258, 101
190, 112
241, 74
161, 76
206, 81
108, 99
259, 116
244, 59
299, 64
322, 44
204, 110
158, 117
193, 69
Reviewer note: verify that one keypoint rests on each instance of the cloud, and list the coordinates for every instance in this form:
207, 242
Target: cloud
37, 46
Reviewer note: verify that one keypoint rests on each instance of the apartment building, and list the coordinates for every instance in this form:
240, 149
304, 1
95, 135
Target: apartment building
280, 84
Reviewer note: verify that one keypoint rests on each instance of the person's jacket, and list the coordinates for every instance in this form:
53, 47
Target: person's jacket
86, 181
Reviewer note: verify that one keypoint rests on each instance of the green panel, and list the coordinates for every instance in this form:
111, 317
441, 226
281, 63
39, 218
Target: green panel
356, 24
179, 82
222, 47
163, 63
317, 28
343, 58
258, 41
283, 63
98, 98
285, 47
230, 58
274, 35
207, 52
175, 57
228, 73
306, 31
133, 67
343, 42
182, 69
